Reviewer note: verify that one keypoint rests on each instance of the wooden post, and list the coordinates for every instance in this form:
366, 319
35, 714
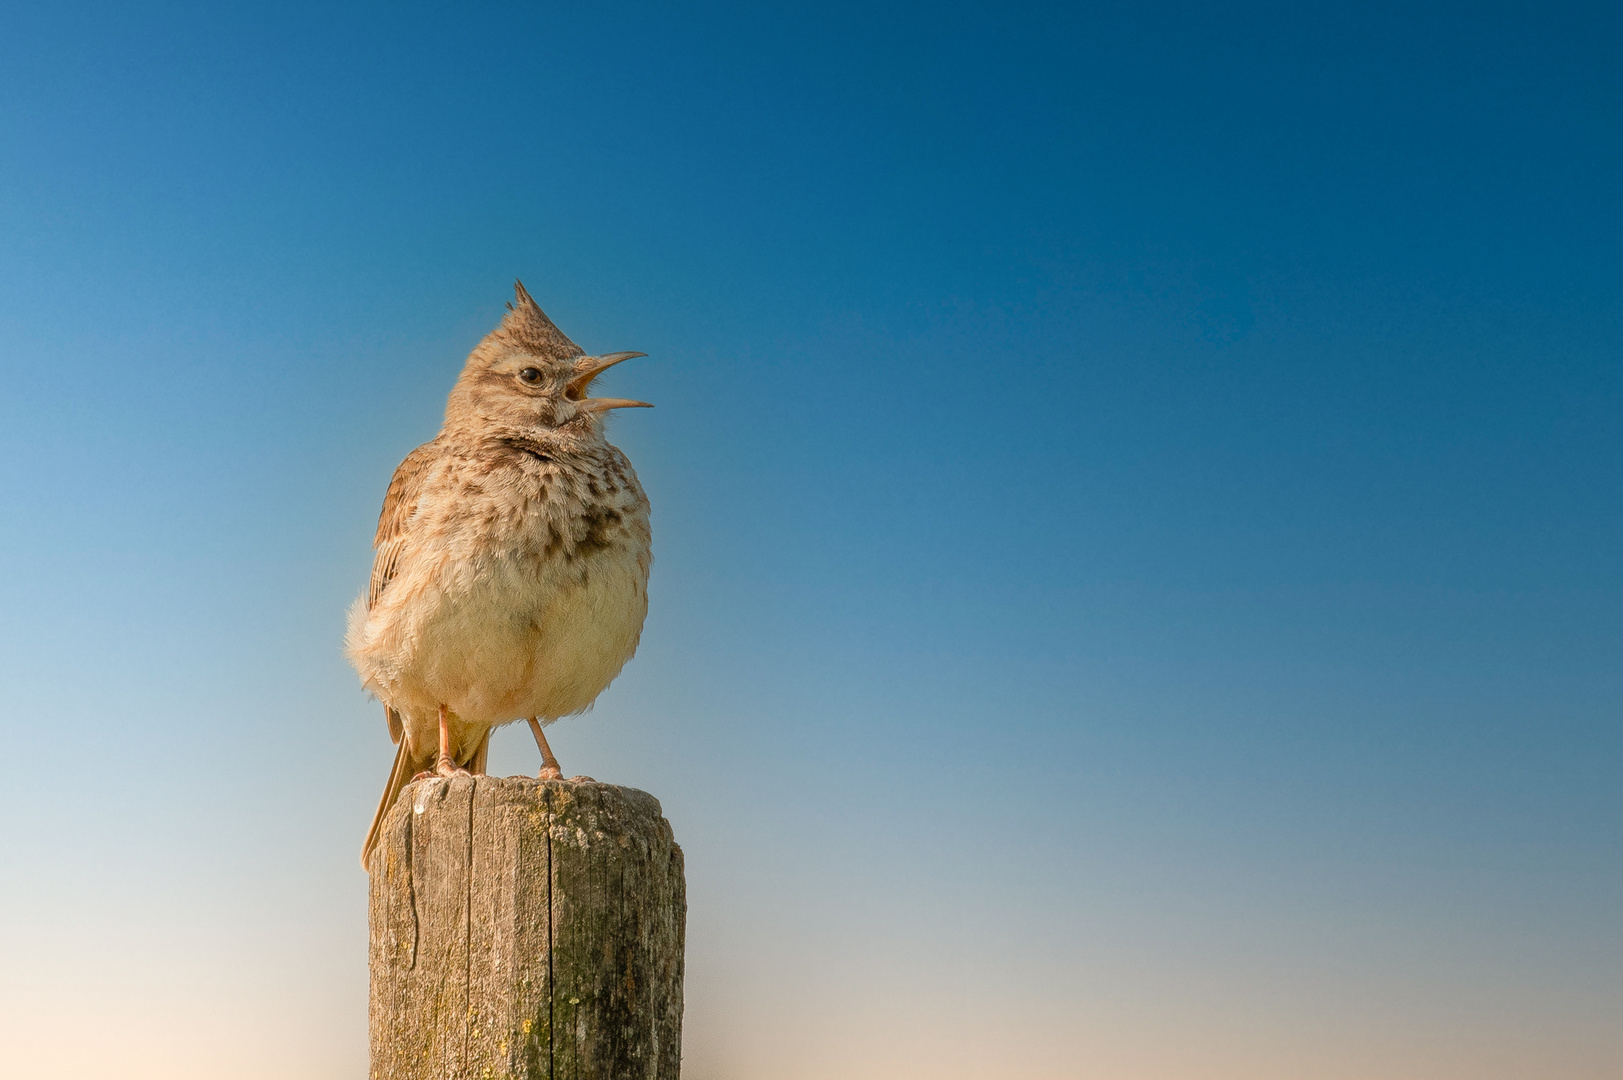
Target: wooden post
526, 930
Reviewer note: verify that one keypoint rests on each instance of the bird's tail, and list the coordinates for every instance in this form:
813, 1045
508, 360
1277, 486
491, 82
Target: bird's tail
406, 766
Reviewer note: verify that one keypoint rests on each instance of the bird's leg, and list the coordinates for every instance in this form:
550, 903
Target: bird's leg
549, 764
446, 765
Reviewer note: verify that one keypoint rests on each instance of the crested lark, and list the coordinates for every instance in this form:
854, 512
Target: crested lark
510, 579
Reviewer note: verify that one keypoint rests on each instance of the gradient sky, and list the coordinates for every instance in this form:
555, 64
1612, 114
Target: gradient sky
1137, 492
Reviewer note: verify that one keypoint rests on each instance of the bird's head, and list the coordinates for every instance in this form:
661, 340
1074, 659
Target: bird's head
527, 376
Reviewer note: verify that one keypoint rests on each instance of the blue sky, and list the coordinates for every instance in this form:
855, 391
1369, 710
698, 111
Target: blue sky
1137, 502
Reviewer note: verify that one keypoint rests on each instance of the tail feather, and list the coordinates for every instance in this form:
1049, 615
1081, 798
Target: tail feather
405, 767
481, 754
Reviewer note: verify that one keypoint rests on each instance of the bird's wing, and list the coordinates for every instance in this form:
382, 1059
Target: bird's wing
399, 503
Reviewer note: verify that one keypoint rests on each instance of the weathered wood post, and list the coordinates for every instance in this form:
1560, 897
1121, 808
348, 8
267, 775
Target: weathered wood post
526, 930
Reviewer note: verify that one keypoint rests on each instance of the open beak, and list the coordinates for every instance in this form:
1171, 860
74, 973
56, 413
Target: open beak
604, 404
588, 368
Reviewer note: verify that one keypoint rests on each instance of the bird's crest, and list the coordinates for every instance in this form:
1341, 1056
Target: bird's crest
528, 327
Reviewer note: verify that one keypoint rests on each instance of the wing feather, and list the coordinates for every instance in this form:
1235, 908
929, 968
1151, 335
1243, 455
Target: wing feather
399, 504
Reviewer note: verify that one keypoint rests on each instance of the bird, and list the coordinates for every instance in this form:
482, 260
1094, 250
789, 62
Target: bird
511, 559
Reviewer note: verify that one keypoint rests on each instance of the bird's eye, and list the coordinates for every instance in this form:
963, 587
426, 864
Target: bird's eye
530, 375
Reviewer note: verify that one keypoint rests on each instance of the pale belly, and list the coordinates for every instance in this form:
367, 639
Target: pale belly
500, 643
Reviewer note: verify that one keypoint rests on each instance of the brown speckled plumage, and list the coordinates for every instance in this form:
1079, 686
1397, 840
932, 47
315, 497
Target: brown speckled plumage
512, 556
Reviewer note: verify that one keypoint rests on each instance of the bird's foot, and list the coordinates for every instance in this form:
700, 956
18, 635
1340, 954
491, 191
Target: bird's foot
442, 767
550, 772
446, 767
